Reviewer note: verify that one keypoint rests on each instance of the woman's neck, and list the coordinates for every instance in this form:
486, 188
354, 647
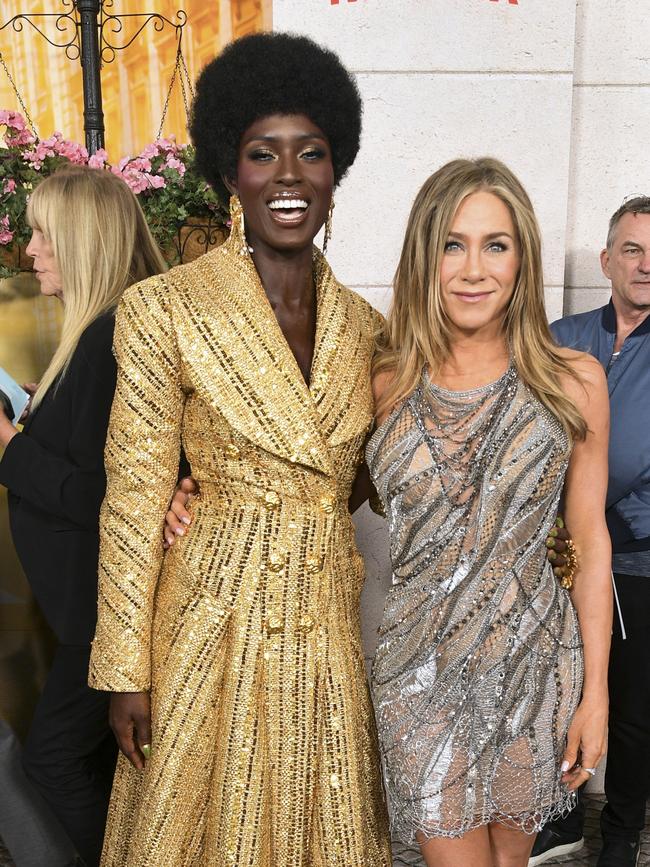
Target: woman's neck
473, 362
287, 278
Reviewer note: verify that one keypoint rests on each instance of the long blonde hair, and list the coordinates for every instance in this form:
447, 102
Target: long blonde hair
101, 243
417, 331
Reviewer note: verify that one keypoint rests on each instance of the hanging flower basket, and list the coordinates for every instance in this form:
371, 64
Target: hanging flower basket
197, 236
185, 215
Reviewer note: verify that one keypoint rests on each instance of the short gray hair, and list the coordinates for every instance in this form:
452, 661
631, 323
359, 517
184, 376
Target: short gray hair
635, 205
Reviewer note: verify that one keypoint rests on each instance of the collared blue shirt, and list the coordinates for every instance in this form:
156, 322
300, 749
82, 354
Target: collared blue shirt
628, 380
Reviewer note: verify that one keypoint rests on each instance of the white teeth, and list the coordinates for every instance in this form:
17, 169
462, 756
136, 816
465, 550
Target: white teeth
287, 204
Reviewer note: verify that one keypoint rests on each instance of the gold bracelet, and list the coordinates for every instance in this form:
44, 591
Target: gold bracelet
568, 571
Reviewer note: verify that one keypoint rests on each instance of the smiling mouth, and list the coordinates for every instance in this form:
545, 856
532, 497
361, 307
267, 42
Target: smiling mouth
288, 210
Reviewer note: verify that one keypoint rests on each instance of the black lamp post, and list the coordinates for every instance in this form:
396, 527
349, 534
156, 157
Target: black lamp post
90, 66
84, 32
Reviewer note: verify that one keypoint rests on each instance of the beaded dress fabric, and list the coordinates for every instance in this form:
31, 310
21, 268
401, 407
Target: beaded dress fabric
247, 631
479, 668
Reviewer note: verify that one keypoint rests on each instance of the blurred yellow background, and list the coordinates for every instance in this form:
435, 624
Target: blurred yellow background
135, 84
134, 88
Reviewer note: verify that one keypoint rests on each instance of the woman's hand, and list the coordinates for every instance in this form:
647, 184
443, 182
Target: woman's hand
31, 388
586, 741
7, 430
178, 519
130, 718
556, 545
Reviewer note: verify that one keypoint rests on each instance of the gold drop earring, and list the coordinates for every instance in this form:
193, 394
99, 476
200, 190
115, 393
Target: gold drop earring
328, 226
238, 225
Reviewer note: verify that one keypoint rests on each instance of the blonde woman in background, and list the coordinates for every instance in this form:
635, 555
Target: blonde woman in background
490, 681
89, 242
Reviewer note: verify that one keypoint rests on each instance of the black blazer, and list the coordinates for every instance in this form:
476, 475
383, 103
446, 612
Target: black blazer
54, 471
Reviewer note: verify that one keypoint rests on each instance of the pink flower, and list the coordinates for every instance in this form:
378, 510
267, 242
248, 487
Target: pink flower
167, 145
174, 163
9, 186
135, 180
98, 159
56, 145
134, 173
6, 236
16, 134
76, 153
149, 152
19, 139
141, 164
156, 181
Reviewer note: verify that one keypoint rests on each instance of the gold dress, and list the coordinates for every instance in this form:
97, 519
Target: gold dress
247, 632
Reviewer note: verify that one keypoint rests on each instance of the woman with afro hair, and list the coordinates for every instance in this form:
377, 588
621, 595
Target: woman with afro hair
239, 696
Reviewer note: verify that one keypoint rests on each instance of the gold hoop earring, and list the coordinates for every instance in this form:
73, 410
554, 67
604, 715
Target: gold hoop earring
238, 226
328, 226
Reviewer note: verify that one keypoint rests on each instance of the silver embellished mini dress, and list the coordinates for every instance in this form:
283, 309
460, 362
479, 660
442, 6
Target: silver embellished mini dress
478, 670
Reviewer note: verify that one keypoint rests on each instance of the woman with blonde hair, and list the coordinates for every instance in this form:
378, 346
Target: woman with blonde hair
490, 681
89, 242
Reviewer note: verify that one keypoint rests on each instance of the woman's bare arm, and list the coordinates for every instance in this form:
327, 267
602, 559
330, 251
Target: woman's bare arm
585, 492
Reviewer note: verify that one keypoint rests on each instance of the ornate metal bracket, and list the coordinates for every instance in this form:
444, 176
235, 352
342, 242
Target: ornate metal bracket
114, 24
197, 236
66, 25
87, 32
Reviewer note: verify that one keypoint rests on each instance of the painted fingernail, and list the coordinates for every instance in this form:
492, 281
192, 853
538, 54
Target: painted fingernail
550, 543
146, 751
564, 767
179, 531
559, 522
553, 532
552, 554
185, 519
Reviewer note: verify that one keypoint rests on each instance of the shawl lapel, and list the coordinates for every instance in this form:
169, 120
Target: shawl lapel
340, 375
240, 360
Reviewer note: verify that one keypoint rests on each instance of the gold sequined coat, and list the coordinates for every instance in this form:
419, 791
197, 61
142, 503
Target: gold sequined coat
247, 630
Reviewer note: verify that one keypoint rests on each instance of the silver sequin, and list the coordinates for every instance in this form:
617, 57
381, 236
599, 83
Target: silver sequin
479, 666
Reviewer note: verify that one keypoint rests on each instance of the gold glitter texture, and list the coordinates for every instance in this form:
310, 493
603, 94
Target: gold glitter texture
247, 631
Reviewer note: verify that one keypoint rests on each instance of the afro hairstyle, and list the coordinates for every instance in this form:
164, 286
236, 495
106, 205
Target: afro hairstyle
272, 73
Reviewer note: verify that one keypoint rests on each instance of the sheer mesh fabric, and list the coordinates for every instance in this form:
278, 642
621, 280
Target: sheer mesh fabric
478, 671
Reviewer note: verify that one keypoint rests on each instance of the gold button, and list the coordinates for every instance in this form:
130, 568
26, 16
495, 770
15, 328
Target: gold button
313, 564
275, 563
272, 498
327, 505
274, 624
232, 450
306, 623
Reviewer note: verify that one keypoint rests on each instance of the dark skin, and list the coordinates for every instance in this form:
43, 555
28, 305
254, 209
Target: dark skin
286, 157
282, 158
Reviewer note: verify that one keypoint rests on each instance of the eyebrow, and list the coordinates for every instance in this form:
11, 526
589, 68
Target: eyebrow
631, 244
490, 237
274, 138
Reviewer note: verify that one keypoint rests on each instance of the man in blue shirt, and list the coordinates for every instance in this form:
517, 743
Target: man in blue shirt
618, 335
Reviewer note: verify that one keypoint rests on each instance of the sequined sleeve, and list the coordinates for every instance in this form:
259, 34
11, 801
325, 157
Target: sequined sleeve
142, 455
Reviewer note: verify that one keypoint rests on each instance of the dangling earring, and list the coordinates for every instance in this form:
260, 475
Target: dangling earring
237, 224
328, 226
